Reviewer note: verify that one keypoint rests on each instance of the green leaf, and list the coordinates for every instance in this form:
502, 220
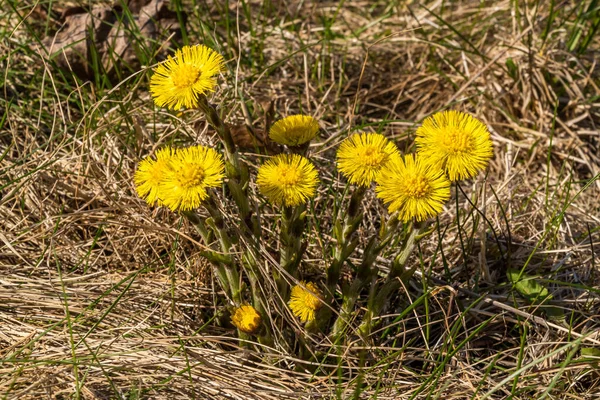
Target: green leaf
591, 355
513, 71
590, 352
528, 287
337, 231
535, 293
555, 314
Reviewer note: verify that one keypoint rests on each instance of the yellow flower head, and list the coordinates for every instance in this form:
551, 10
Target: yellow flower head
150, 173
294, 130
456, 142
246, 319
287, 179
362, 155
305, 300
179, 81
192, 171
414, 189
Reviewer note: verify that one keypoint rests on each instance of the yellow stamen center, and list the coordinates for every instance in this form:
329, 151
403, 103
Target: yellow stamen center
295, 132
185, 76
417, 187
191, 175
372, 156
289, 175
457, 141
249, 320
312, 301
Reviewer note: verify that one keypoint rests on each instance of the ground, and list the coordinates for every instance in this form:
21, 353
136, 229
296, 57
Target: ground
102, 296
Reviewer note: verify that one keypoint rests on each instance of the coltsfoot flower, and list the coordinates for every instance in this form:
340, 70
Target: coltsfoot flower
456, 142
246, 319
287, 179
294, 130
179, 81
150, 173
414, 189
192, 171
361, 156
305, 300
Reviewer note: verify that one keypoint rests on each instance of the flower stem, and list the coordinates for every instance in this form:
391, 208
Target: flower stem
380, 294
217, 259
249, 260
345, 245
199, 225
223, 131
231, 270
292, 248
408, 246
366, 273
236, 171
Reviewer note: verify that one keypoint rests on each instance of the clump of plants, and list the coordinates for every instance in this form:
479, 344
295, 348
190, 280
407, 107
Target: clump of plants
275, 223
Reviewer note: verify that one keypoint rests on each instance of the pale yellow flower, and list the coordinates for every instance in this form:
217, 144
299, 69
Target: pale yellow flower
294, 130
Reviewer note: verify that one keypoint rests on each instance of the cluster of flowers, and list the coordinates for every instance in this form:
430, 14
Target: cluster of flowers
450, 146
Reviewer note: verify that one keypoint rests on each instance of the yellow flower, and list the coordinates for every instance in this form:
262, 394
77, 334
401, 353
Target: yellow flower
246, 319
362, 155
456, 142
150, 173
294, 130
414, 189
179, 81
287, 179
192, 171
305, 300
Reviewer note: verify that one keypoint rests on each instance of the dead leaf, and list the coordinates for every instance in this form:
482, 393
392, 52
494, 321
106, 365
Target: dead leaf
256, 139
110, 35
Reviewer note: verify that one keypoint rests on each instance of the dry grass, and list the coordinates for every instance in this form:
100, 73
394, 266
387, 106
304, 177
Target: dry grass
101, 297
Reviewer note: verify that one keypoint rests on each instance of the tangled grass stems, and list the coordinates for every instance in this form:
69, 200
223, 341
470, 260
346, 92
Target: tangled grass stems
415, 190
